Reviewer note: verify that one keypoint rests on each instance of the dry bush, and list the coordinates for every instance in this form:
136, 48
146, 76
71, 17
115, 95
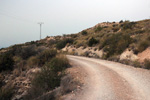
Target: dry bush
33, 61
46, 56
59, 63
68, 84
6, 92
16, 72
49, 77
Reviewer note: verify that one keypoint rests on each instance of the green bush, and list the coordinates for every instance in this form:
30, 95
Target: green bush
84, 32
61, 44
92, 41
6, 61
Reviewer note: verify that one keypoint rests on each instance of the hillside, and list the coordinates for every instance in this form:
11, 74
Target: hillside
24, 67
117, 41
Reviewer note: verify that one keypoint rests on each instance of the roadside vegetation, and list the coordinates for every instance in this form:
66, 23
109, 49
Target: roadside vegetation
19, 59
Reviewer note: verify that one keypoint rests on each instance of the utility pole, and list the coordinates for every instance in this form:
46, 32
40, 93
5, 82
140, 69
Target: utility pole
40, 23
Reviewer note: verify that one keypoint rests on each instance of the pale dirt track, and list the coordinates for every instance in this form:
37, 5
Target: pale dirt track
107, 80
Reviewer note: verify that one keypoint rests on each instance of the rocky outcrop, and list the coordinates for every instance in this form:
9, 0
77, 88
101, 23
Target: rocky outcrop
81, 51
128, 55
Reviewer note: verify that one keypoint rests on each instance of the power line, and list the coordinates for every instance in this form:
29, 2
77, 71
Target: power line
40, 23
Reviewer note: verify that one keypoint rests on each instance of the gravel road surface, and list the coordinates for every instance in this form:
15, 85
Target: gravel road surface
106, 80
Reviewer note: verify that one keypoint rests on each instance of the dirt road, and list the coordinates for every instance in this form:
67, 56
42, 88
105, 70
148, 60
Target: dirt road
107, 80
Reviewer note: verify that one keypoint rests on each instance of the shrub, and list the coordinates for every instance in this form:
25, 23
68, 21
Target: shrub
33, 93
121, 21
43, 81
6, 61
58, 63
92, 41
51, 42
61, 44
6, 92
115, 29
147, 63
97, 29
128, 25
143, 45
1, 80
84, 32
49, 77
33, 61
116, 44
24, 52
46, 79
46, 56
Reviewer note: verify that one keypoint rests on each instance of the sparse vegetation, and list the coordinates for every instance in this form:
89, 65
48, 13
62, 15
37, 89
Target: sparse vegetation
48, 78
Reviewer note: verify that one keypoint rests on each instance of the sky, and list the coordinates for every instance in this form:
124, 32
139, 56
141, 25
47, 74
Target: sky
19, 18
